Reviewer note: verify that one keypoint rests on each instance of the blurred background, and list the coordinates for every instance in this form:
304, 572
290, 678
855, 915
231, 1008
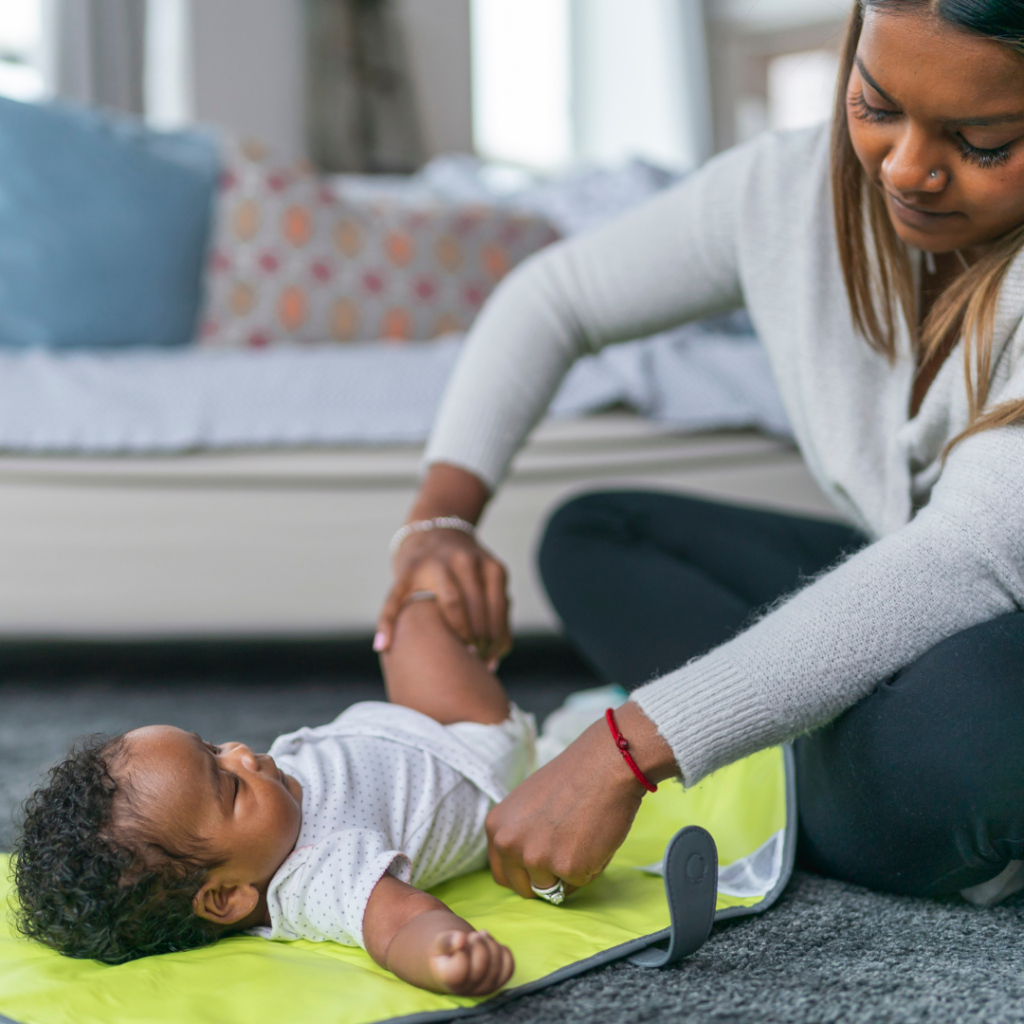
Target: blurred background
240, 244
538, 83
238, 257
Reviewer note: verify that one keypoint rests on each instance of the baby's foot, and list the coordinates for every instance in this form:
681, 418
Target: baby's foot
469, 963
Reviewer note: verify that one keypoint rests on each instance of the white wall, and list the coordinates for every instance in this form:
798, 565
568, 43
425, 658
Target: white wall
242, 66
770, 15
248, 69
438, 37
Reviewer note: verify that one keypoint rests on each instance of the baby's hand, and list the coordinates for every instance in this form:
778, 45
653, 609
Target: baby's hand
469, 963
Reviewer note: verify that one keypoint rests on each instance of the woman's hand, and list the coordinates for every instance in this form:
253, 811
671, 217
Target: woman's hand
567, 820
470, 583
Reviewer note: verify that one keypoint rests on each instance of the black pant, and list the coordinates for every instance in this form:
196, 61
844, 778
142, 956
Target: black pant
917, 789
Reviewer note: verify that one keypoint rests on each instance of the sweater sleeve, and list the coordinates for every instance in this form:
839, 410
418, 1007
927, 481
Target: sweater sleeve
960, 562
669, 261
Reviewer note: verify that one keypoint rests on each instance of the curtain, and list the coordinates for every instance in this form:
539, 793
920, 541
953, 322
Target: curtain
98, 52
361, 107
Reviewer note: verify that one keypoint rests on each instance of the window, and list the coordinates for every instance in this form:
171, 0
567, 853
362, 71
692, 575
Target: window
801, 87
521, 81
168, 73
21, 33
562, 80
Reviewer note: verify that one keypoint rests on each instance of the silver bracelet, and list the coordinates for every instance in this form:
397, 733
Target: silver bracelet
424, 525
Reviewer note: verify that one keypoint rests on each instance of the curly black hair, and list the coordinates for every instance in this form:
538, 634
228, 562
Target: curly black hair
90, 895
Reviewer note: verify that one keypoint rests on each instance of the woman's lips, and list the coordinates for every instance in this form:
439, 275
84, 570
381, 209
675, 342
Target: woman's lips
914, 216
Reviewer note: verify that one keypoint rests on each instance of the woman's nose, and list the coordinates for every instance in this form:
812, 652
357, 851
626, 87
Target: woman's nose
913, 165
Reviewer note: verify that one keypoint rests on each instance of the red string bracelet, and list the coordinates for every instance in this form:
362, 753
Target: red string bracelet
623, 744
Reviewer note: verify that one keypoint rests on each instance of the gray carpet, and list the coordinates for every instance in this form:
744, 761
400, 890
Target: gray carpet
827, 952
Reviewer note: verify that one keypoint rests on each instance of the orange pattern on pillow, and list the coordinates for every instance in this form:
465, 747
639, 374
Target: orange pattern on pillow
291, 261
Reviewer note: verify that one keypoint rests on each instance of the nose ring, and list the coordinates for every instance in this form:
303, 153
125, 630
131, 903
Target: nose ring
933, 174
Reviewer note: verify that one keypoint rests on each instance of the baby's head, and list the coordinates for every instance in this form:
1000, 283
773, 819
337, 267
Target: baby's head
152, 842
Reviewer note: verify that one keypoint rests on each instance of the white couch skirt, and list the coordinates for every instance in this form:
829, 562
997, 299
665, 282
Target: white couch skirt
293, 543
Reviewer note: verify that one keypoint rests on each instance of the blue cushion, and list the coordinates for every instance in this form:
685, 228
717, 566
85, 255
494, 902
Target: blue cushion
103, 228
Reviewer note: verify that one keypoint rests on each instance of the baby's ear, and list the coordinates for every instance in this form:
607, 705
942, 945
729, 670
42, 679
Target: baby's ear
225, 904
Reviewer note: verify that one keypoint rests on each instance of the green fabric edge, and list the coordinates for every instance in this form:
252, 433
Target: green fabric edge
636, 945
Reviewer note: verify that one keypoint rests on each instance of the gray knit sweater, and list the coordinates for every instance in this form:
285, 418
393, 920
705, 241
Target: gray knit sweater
754, 227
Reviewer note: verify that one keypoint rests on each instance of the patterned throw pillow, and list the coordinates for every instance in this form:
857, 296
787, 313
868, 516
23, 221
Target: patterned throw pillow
290, 260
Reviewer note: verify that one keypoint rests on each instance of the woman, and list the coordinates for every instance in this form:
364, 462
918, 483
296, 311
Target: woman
882, 270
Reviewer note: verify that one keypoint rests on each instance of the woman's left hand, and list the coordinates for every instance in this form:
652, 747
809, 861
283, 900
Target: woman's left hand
567, 819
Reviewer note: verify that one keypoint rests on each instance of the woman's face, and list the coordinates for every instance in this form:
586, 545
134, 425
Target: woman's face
936, 118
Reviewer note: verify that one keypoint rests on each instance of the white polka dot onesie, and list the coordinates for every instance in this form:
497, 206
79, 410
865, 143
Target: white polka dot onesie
386, 789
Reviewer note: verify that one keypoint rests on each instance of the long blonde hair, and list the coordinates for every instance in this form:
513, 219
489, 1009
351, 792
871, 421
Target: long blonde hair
879, 279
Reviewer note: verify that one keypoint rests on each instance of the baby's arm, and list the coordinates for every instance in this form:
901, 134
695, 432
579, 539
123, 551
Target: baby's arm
429, 669
415, 936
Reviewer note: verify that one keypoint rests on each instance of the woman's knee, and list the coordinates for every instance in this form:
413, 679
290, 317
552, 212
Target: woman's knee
966, 692
920, 786
572, 529
965, 695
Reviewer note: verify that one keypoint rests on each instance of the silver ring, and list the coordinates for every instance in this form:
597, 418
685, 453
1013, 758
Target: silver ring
554, 894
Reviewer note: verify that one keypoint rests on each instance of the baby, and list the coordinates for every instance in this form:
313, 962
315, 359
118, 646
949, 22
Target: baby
157, 840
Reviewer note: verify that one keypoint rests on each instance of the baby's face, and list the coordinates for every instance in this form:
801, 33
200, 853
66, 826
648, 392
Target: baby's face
240, 804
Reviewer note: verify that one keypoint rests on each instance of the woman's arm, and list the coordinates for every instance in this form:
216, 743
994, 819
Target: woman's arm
958, 563
415, 936
667, 262
470, 583
568, 818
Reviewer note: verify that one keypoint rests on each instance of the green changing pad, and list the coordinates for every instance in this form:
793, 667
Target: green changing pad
749, 808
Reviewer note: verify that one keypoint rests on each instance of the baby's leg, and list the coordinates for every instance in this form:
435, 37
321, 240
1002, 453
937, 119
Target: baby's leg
429, 669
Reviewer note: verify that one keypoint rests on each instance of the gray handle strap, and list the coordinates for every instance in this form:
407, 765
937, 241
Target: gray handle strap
691, 884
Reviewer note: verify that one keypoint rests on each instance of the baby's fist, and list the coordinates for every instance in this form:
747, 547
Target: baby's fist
469, 963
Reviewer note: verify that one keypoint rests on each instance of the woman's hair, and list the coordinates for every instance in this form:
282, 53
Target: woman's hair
877, 270
93, 890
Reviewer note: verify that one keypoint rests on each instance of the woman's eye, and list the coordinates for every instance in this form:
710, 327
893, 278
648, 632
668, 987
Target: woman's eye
863, 111
984, 158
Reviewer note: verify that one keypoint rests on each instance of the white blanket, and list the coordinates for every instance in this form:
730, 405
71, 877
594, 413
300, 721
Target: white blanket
141, 401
